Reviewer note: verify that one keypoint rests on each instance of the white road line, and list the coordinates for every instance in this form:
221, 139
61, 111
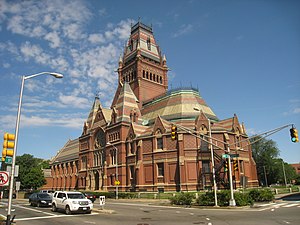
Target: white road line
49, 217
290, 205
34, 210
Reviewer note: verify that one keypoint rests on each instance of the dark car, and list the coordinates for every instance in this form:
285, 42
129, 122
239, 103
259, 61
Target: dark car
90, 196
40, 199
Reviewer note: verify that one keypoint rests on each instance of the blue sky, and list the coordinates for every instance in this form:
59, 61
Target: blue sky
244, 56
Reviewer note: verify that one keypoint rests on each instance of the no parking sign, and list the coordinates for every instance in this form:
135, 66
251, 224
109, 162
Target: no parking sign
102, 200
4, 178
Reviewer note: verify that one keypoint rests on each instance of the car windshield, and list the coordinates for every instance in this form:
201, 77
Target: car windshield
76, 196
44, 196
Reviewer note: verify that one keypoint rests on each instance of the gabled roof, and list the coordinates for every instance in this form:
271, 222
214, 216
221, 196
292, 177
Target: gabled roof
231, 124
127, 104
92, 115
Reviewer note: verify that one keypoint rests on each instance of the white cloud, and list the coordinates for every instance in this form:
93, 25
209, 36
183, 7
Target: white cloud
31, 51
53, 38
74, 101
38, 18
184, 29
96, 38
66, 121
8, 122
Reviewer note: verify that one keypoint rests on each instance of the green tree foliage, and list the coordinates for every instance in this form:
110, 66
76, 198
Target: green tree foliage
31, 175
265, 153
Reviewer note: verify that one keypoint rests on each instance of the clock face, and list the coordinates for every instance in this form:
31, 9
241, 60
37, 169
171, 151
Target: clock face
100, 139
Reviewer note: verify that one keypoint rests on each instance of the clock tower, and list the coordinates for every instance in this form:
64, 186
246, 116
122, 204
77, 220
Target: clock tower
142, 65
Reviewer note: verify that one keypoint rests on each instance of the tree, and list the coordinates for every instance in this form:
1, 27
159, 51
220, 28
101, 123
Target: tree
31, 174
265, 152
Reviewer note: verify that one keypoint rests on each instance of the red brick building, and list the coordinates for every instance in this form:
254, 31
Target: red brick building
296, 166
133, 137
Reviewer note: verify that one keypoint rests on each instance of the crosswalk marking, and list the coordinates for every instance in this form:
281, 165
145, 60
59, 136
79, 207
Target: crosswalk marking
290, 205
276, 205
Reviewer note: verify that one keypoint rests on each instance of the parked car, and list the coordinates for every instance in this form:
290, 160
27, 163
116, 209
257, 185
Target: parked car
40, 199
71, 201
90, 196
51, 192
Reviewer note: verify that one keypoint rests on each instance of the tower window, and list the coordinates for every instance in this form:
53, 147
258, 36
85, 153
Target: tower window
149, 43
143, 73
131, 45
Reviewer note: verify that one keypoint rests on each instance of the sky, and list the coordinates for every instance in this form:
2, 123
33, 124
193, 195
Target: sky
243, 56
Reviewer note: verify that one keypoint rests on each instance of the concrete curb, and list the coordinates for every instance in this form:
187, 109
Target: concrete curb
104, 211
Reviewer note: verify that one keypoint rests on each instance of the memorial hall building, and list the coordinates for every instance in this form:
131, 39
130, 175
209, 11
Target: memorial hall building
130, 144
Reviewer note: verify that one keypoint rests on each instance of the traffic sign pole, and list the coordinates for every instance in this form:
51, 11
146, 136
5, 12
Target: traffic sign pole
231, 201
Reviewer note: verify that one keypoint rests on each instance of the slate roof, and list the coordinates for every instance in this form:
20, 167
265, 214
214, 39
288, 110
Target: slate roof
67, 153
177, 105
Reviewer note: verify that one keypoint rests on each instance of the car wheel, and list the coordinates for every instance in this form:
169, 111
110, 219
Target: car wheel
68, 211
31, 204
89, 212
54, 209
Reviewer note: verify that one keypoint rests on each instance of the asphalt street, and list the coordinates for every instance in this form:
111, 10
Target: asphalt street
155, 212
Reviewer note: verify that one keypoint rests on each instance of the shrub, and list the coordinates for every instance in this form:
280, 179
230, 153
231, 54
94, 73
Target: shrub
208, 199
183, 198
261, 195
127, 195
242, 199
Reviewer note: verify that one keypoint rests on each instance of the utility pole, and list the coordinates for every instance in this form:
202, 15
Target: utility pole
265, 176
284, 173
212, 163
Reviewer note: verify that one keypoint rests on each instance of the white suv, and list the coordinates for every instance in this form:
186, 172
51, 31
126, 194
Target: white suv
71, 201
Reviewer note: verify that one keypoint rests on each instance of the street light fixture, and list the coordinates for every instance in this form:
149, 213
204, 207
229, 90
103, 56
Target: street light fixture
56, 75
117, 174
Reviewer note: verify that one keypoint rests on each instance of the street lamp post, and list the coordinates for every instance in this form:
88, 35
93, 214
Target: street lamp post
117, 174
56, 75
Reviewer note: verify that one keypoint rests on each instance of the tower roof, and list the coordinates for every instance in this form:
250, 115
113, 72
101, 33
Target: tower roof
142, 42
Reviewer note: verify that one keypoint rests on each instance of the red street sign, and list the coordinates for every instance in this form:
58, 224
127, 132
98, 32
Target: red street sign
4, 178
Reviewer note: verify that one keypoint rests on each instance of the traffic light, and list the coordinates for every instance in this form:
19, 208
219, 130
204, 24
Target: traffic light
8, 145
226, 165
294, 135
174, 132
235, 165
